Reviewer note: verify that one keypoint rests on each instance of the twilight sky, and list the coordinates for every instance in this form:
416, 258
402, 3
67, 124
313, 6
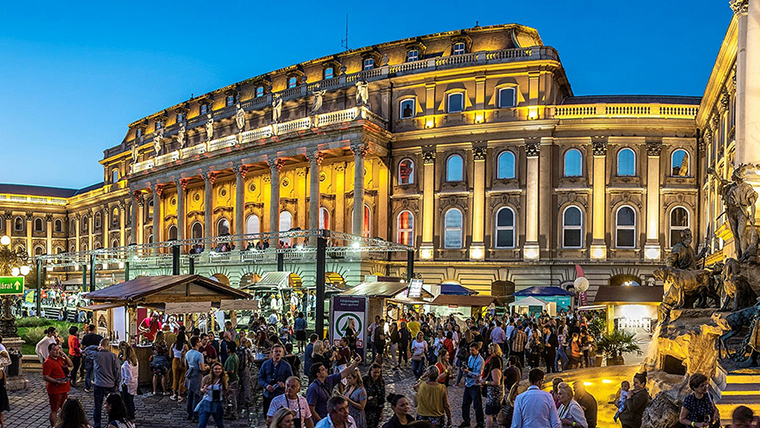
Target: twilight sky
75, 74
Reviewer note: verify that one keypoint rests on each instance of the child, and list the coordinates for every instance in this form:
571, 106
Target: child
622, 395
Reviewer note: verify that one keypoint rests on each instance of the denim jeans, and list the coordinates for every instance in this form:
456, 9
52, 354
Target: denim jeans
100, 393
418, 367
460, 373
561, 355
129, 402
192, 400
472, 397
88, 365
217, 412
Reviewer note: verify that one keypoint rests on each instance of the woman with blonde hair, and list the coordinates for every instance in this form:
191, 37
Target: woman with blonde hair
491, 379
213, 388
432, 399
129, 375
570, 412
282, 418
508, 409
356, 396
159, 363
318, 356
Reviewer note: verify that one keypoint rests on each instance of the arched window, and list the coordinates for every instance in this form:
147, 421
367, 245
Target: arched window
73, 249
679, 221
222, 227
150, 210
58, 250
286, 223
85, 224
324, 218
679, 163
114, 176
115, 243
84, 246
197, 230
38, 225
150, 238
406, 171
38, 251
18, 224
573, 163
406, 109
252, 224
97, 245
405, 228
115, 216
507, 97
626, 163
625, 227
454, 168
58, 225
572, 227
173, 232
97, 220
72, 226
452, 229
505, 228
506, 165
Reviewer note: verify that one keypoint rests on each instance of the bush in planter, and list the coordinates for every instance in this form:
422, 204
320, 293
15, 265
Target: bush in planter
615, 344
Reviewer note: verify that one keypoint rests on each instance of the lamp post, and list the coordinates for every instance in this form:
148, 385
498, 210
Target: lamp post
12, 263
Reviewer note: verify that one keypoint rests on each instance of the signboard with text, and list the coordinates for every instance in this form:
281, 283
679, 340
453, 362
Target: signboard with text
239, 305
187, 307
11, 285
415, 288
345, 311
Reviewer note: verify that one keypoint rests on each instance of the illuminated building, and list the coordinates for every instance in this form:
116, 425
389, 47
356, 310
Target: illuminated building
470, 146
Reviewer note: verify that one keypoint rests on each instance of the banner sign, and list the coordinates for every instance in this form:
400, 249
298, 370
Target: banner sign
239, 305
415, 288
187, 307
347, 310
11, 285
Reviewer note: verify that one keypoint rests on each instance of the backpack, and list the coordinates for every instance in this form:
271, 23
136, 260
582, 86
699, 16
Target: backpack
242, 354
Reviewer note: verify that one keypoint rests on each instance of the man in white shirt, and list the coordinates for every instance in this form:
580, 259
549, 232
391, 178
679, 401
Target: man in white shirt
337, 414
535, 408
42, 346
293, 401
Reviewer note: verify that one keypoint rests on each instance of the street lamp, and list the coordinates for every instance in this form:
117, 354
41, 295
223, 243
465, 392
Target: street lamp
11, 263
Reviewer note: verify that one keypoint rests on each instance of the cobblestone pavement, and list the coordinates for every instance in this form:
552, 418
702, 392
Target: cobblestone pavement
29, 408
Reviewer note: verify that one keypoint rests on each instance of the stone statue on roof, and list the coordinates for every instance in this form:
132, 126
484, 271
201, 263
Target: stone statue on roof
209, 127
157, 140
276, 108
134, 152
362, 93
181, 134
240, 116
317, 101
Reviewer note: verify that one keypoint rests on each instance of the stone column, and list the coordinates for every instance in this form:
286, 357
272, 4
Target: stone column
208, 205
49, 230
240, 172
90, 229
181, 185
360, 151
384, 218
140, 219
8, 223
477, 247
532, 151
133, 228
122, 223
340, 196
652, 247
428, 203
77, 218
599, 197
315, 160
29, 220
158, 217
275, 165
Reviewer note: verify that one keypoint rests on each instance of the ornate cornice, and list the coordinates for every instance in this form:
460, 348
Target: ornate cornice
275, 164
240, 169
209, 176
599, 145
316, 157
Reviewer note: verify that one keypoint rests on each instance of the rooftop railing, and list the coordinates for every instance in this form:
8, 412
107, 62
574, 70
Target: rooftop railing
654, 110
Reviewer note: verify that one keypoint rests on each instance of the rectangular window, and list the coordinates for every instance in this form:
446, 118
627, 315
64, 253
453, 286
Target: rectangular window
456, 102
180, 117
230, 100
507, 97
139, 132
458, 49
329, 73
259, 91
505, 238
369, 63
572, 238
204, 108
159, 124
412, 55
292, 82
407, 109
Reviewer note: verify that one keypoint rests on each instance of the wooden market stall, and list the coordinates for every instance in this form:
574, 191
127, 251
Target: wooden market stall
382, 293
118, 304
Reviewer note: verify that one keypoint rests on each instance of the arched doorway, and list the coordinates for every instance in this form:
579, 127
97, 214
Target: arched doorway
335, 280
172, 232
221, 278
248, 279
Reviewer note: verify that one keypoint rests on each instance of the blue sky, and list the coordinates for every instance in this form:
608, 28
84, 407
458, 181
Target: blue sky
75, 74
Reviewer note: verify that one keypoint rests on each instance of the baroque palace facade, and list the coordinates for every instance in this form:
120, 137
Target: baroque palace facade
467, 145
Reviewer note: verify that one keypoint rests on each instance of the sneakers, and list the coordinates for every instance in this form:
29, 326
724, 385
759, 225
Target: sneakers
173, 397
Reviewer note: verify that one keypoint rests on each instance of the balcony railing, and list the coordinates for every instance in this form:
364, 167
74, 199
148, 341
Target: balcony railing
197, 149
663, 111
222, 143
167, 158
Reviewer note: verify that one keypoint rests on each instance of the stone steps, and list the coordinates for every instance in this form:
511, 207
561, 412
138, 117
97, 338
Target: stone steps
741, 389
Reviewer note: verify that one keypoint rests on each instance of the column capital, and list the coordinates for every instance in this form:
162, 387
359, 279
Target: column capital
122, 206
158, 189
428, 156
654, 147
209, 176
241, 170
136, 195
360, 148
29, 216
9, 215
77, 216
316, 157
479, 153
532, 146
49, 218
599, 145
276, 163
740, 7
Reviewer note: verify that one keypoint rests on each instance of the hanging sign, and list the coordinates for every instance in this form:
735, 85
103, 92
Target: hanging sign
11, 285
239, 305
187, 307
415, 288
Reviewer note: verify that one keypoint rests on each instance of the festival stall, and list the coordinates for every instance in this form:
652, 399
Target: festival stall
464, 305
384, 294
532, 305
630, 308
118, 308
561, 298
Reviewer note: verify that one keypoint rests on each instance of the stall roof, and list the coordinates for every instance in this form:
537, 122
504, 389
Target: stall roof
272, 280
456, 289
543, 291
631, 294
529, 301
166, 288
380, 289
445, 300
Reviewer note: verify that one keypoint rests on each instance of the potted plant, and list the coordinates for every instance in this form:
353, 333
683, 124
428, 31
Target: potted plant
615, 344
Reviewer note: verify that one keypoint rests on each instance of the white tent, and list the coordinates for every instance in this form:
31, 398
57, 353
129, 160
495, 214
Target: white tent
524, 305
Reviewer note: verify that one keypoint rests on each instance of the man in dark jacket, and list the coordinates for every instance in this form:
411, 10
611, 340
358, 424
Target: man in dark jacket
587, 402
272, 376
550, 348
89, 339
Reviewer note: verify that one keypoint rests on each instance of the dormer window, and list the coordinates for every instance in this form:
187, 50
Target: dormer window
458, 48
369, 64
230, 100
259, 91
329, 73
412, 55
159, 124
456, 102
180, 117
292, 82
204, 108
407, 109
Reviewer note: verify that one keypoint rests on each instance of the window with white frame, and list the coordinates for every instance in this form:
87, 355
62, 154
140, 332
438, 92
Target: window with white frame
222, 227
406, 110
679, 163
505, 228
38, 227
454, 168
197, 230
115, 176
572, 227
97, 220
115, 216
406, 171
139, 132
505, 168
369, 64
85, 224
626, 163
455, 102
625, 227
159, 124
204, 108
412, 55
458, 49
292, 81
329, 73
453, 229
58, 226
180, 117
573, 163
324, 218
507, 97
405, 228
252, 224
259, 91
230, 100
679, 221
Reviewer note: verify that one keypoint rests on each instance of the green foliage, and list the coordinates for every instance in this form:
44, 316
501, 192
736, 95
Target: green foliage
617, 343
33, 322
597, 326
32, 335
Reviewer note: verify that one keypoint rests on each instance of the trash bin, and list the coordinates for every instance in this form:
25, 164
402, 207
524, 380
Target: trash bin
13, 369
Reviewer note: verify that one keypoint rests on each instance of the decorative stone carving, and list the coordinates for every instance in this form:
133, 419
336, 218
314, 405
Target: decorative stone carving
276, 164
276, 108
209, 127
724, 100
740, 7
240, 116
654, 148
8, 215
339, 166
157, 141
739, 198
532, 146
48, 218
181, 134
360, 148
599, 145
318, 95
316, 157
134, 152
479, 153
428, 157
209, 176
29, 216
362, 93
240, 169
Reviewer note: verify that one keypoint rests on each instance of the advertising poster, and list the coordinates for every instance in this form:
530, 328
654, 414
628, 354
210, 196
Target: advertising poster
346, 310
